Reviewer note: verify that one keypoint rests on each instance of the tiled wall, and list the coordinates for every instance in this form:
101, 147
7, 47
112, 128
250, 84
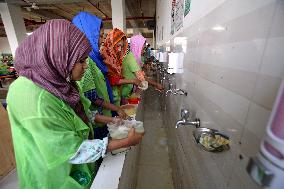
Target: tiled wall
232, 77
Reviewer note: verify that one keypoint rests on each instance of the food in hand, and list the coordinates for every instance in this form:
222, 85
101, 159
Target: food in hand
130, 110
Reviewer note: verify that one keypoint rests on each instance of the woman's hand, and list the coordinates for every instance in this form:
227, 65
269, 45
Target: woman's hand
117, 120
159, 87
121, 113
134, 138
136, 82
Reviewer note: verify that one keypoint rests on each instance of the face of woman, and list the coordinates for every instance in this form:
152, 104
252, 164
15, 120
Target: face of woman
119, 46
79, 69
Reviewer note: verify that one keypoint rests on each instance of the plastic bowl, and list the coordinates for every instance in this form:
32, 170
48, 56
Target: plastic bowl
133, 100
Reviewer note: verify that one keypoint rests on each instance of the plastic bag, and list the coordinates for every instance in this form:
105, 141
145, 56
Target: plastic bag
120, 130
143, 85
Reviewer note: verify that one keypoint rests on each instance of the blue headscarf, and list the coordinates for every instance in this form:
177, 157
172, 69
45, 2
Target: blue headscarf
90, 25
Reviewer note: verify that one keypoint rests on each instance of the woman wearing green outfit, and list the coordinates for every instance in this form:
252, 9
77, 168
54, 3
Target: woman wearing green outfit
51, 122
131, 66
113, 52
95, 84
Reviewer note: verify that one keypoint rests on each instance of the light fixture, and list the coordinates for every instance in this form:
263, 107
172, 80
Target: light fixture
218, 28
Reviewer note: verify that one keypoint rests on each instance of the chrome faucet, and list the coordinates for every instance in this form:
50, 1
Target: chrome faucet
176, 91
181, 92
185, 119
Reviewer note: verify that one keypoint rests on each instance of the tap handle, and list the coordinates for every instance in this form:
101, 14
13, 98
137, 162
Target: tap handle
184, 114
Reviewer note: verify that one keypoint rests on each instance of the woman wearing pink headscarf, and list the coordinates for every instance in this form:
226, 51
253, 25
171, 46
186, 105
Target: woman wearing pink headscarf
131, 66
51, 123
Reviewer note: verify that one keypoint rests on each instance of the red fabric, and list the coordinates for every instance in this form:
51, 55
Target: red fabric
113, 80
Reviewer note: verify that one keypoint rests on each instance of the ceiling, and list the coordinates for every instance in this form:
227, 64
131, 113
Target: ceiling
139, 13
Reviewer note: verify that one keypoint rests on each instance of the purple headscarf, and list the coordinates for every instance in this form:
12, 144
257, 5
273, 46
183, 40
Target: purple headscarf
136, 46
47, 57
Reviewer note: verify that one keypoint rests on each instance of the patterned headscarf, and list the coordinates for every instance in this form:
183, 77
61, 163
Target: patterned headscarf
109, 53
48, 56
90, 25
136, 46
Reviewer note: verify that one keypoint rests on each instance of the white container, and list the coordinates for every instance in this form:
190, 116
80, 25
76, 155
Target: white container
271, 164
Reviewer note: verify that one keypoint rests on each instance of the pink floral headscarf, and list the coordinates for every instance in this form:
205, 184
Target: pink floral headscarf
136, 46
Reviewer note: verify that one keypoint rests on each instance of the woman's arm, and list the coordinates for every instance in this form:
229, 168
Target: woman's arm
129, 81
111, 107
154, 84
106, 119
119, 81
132, 140
91, 150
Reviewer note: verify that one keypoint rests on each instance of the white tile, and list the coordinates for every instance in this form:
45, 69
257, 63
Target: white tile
245, 55
257, 120
233, 104
238, 27
273, 64
238, 81
250, 143
266, 90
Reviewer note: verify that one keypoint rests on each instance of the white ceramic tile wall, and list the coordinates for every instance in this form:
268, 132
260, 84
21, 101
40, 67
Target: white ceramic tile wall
232, 77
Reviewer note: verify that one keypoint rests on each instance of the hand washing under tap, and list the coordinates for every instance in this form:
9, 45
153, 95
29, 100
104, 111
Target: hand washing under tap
185, 119
174, 91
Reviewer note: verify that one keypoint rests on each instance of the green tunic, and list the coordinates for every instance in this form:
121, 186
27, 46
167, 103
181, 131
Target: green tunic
46, 133
94, 79
116, 91
129, 67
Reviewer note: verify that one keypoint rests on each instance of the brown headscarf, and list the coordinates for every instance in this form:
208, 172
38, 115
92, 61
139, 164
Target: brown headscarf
47, 57
109, 53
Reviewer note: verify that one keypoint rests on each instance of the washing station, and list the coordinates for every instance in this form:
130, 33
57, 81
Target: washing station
208, 139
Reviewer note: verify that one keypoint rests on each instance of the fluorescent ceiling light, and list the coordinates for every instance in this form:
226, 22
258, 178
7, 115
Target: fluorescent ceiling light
218, 28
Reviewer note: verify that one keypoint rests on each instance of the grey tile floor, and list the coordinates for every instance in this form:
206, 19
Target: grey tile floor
154, 171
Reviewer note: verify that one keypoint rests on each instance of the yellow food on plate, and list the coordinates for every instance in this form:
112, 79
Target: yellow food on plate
211, 142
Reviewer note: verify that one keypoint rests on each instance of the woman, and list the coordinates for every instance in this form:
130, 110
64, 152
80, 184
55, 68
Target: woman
52, 134
131, 68
113, 52
95, 84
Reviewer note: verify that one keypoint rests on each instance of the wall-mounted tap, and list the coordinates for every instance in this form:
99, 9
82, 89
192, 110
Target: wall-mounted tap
185, 119
181, 92
176, 91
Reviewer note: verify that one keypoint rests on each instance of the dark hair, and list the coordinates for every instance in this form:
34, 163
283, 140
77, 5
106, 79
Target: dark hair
102, 25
